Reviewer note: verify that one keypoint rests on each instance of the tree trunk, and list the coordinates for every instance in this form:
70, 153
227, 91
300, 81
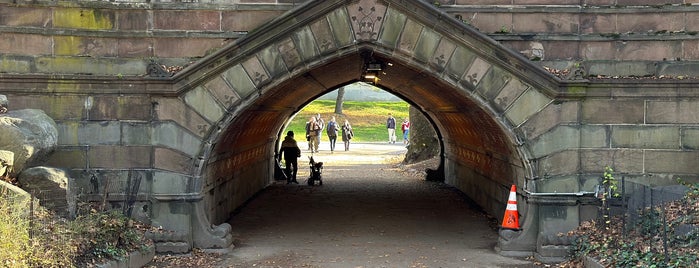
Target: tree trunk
423, 138
339, 100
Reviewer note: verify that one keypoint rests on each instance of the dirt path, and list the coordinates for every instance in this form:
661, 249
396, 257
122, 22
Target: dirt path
368, 213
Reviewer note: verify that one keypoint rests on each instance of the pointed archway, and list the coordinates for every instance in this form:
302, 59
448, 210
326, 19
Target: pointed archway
475, 91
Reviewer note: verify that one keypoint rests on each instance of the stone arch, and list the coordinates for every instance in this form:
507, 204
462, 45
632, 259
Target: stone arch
476, 91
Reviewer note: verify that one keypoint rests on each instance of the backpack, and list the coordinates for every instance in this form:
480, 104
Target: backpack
332, 129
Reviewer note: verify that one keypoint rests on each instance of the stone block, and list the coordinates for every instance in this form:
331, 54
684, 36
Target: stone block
475, 72
673, 162
594, 136
132, 107
560, 163
84, 46
135, 47
11, 64
625, 68
90, 66
18, 16
305, 44
185, 47
134, 20
170, 135
84, 18
510, 92
258, 74
324, 36
488, 22
392, 27
649, 22
558, 219
612, 111
409, 36
458, 63
176, 110
545, 2
595, 51
530, 103
136, 133
120, 157
598, 23
58, 107
68, 157
167, 183
557, 139
270, 58
672, 112
246, 20
482, 2
99, 133
690, 138
647, 50
342, 30
166, 159
545, 22
188, 20
645, 137
239, 80
199, 100
222, 92
492, 82
25, 44
622, 160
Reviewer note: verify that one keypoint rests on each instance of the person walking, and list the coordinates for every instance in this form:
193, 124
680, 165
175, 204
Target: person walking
391, 126
321, 124
331, 130
314, 132
405, 127
308, 134
347, 134
291, 152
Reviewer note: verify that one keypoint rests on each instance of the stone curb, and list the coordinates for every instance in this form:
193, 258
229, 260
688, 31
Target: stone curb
135, 259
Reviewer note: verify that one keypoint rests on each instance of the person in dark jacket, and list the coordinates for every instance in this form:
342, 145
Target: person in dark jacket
347, 134
291, 153
391, 126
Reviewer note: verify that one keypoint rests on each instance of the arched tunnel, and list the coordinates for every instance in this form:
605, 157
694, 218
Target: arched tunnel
478, 152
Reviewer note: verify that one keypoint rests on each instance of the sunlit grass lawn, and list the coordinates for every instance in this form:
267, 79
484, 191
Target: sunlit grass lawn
368, 119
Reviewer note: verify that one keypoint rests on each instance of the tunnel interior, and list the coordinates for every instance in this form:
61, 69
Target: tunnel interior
477, 149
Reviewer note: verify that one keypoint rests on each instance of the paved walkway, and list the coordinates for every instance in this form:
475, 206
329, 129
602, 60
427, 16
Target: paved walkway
368, 213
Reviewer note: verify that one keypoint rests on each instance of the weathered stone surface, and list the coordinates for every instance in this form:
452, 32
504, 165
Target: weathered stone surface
187, 20
594, 136
559, 138
561, 184
540, 22
120, 157
134, 20
622, 160
488, 22
30, 134
645, 137
649, 22
25, 16
122, 107
84, 46
7, 161
511, 91
136, 133
176, 110
673, 162
68, 158
173, 136
25, 44
246, 20
170, 160
238, 78
672, 112
560, 163
531, 102
258, 74
52, 186
690, 138
612, 111
185, 47
202, 102
84, 18
598, 23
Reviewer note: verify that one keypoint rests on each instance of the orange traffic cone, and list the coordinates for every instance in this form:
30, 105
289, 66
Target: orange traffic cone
511, 219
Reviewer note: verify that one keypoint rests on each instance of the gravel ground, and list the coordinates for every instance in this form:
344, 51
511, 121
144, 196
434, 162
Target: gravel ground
371, 211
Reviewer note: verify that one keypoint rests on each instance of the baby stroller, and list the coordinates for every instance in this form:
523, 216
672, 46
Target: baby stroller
316, 171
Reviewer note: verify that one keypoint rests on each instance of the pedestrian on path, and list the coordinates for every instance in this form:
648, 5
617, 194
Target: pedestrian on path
291, 152
331, 130
405, 127
347, 134
391, 126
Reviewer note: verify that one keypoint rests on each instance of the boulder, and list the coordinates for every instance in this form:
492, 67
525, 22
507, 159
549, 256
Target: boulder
7, 160
30, 134
52, 186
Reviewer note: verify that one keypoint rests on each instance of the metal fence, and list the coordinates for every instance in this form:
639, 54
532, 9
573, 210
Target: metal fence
642, 208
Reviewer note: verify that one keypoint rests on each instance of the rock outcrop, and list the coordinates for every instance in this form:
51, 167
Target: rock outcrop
30, 134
